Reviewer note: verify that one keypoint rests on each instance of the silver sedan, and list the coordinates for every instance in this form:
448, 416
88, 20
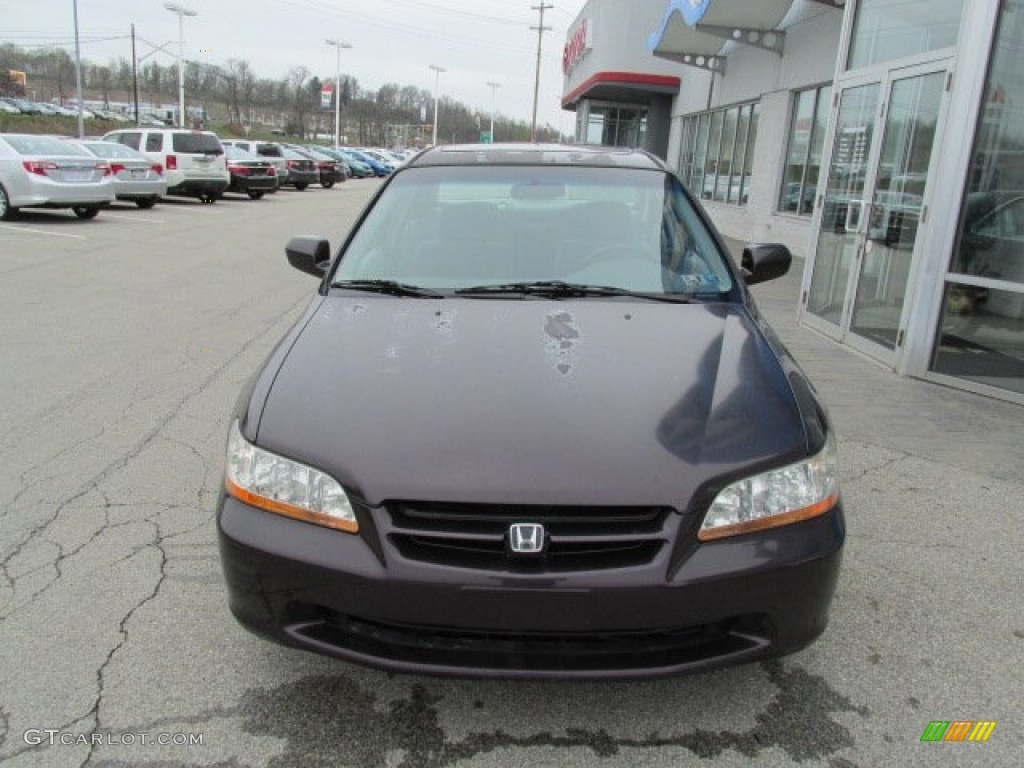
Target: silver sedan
49, 172
136, 177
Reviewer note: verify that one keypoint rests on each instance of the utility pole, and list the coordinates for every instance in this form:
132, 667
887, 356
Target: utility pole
494, 87
78, 73
541, 29
437, 86
135, 77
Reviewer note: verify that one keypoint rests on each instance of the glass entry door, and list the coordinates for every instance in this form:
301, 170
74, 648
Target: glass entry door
873, 207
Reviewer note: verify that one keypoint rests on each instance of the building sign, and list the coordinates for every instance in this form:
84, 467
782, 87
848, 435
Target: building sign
692, 10
325, 95
579, 44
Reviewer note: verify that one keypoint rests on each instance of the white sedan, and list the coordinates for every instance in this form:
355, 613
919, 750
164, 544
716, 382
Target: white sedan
49, 172
136, 178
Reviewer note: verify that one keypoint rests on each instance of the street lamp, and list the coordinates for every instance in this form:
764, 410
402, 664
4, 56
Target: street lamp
78, 74
182, 13
494, 87
437, 86
337, 88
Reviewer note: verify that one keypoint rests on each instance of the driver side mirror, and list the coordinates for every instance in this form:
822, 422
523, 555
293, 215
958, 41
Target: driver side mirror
309, 254
765, 261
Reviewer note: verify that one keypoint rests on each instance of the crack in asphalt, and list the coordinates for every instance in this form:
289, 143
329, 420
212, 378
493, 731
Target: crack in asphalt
886, 464
140, 446
94, 713
39, 530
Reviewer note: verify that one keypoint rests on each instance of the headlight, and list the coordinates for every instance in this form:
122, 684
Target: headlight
779, 497
276, 484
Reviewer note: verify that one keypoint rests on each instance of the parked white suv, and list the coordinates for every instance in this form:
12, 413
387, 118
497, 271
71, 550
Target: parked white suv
193, 161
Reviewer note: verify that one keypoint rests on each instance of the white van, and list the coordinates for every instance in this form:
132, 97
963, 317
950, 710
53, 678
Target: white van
193, 161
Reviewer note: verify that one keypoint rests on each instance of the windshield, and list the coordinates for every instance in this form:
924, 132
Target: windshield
451, 228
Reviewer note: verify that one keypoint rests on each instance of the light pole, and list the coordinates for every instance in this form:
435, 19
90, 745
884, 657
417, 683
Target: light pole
78, 74
437, 86
182, 13
337, 88
494, 87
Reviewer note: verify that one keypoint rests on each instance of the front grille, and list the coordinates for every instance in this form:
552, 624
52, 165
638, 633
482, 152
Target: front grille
576, 538
564, 652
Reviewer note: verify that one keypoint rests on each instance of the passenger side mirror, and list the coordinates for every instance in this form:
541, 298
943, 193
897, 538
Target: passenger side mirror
310, 254
765, 261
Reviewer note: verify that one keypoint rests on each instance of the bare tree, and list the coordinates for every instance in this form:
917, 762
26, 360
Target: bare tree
295, 88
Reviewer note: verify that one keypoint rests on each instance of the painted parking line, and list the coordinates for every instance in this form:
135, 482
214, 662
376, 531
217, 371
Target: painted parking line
128, 217
41, 232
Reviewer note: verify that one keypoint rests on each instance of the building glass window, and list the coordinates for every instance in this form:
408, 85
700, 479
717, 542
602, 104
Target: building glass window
738, 185
686, 147
716, 154
885, 30
616, 126
981, 333
803, 156
728, 147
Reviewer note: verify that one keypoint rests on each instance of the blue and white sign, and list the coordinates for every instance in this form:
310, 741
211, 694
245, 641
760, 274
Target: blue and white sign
692, 10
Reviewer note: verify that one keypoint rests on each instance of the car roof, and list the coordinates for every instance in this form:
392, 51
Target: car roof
537, 154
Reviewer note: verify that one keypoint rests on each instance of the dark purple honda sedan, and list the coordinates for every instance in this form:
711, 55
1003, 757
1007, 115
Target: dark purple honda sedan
533, 425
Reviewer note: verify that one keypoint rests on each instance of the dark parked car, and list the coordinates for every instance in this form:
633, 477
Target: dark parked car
251, 174
330, 170
302, 170
532, 424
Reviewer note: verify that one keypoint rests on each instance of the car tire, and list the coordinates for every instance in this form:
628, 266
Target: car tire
146, 203
327, 183
86, 211
254, 194
7, 211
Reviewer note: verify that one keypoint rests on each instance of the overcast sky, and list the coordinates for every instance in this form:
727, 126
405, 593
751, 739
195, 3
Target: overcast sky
393, 41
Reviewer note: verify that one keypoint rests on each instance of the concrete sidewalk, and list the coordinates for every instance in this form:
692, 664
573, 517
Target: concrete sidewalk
926, 619
870, 403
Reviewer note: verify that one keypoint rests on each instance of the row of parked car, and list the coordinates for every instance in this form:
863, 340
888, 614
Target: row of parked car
12, 105
142, 164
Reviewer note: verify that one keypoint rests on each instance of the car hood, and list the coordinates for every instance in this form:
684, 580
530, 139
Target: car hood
530, 401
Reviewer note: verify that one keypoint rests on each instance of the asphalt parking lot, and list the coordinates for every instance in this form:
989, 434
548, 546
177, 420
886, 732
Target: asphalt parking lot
123, 344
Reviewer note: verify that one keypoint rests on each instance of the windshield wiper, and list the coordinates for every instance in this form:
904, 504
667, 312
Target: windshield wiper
561, 289
390, 287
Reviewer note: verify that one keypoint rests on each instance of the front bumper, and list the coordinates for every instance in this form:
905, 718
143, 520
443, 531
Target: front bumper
694, 607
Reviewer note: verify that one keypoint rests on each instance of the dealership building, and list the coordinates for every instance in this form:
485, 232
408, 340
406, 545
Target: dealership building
881, 140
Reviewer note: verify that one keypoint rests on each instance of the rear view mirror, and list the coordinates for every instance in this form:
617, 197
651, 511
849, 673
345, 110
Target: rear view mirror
310, 254
765, 261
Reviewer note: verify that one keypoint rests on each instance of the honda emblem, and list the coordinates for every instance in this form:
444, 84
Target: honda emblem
526, 538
